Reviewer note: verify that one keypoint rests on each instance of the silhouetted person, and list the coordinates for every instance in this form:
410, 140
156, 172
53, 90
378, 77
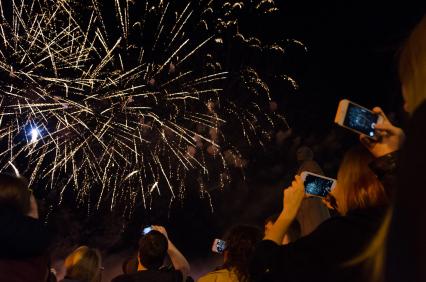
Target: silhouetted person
153, 249
84, 264
24, 240
240, 243
405, 251
362, 202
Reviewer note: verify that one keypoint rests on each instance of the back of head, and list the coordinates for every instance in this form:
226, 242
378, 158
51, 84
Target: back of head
84, 264
304, 153
14, 193
153, 249
240, 244
412, 67
361, 187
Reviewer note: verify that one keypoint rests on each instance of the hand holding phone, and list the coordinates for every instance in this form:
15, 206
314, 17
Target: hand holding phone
391, 137
218, 246
357, 118
317, 185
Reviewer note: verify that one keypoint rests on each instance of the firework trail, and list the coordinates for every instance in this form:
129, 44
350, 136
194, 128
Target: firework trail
120, 100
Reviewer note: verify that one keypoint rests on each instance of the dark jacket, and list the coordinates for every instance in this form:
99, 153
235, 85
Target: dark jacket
386, 168
24, 243
319, 256
34, 269
406, 250
151, 276
22, 236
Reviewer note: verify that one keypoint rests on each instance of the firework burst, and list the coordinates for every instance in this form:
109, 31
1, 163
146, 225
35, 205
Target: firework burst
118, 100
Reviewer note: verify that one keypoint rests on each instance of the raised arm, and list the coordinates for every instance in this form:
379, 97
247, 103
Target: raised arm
293, 197
178, 260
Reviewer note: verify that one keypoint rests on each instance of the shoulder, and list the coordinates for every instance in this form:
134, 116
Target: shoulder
341, 235
420, 112
121, 278
16, 218
150, 275
14, 240
219, 276
414, 146
133, 277
360, 221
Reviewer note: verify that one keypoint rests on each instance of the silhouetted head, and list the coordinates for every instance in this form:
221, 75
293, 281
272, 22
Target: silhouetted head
240, 244
304, 153
14, 193
152, 249
84, 264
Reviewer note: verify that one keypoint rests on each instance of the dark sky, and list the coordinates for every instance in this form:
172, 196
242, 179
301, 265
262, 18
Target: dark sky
352, 46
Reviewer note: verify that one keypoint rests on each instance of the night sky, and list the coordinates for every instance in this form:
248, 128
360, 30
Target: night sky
352, 47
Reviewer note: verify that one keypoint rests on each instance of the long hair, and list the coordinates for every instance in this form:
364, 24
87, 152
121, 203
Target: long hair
412, 67
240, 244
84, 264
360, 186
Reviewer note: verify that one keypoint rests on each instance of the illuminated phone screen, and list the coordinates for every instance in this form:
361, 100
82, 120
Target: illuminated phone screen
318, 186
360, 119
146, 230
220, 246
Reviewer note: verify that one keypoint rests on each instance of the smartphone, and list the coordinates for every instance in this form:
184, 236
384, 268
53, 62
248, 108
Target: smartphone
357, 118
218, 246
317, 185
146, 230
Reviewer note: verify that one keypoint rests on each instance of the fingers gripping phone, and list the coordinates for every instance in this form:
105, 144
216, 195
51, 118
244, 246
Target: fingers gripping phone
317, 185
357, 118
218, 246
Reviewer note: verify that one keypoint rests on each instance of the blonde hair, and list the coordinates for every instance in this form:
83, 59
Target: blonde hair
84, 264
412, 67
361, 187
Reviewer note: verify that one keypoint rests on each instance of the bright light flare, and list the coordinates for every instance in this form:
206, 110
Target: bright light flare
35, 135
